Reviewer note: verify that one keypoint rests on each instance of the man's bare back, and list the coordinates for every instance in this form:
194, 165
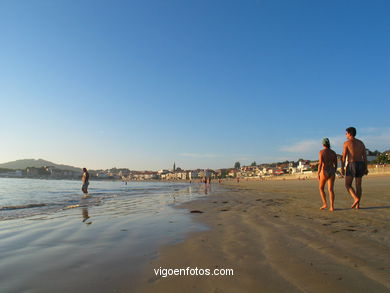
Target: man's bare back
355, 150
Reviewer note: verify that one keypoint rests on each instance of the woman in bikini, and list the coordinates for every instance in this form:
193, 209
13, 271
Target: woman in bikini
327, 173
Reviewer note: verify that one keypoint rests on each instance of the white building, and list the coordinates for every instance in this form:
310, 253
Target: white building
303, 166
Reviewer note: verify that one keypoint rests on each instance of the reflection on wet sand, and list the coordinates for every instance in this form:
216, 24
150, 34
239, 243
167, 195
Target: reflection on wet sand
85, 214
207, 188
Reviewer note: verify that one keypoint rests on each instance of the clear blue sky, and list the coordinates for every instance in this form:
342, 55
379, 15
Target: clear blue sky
143, 84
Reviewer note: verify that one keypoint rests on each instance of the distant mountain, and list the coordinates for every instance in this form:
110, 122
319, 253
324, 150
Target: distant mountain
23, 164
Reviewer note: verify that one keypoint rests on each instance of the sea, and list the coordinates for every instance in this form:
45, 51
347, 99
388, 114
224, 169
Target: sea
21, 198
48, 228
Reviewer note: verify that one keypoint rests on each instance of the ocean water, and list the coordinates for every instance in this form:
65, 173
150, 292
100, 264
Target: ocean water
48, 229
21, 198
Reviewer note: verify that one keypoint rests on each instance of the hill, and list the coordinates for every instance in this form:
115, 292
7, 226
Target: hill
25, 163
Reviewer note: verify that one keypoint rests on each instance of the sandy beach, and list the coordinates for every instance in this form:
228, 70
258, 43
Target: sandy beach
271, 234
275, 238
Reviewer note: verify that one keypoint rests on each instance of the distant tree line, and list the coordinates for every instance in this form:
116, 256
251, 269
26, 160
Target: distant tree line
381, 159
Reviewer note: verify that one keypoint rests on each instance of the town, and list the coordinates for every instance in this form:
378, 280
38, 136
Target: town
301, 167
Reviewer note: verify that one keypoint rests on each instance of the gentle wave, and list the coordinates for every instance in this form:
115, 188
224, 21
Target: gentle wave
27, 206
72, 206
44, 197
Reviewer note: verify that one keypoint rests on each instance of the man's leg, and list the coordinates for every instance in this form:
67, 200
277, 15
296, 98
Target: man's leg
358, 184
348, 186
84, 188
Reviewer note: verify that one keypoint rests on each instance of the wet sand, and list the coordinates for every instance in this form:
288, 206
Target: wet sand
275, 237
97, 249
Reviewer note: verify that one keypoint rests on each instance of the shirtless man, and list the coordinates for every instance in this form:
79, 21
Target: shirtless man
327, 173
355, 150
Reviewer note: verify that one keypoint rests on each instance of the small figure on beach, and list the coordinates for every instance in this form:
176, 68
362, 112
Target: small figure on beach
327, 173
355, 150
85, 181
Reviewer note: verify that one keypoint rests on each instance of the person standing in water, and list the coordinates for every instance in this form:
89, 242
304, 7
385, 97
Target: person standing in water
327, 173
355, 150
85, 181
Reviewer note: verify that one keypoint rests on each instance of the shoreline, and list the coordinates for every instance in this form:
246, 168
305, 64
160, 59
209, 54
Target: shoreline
274, 236
92, 248
270, 233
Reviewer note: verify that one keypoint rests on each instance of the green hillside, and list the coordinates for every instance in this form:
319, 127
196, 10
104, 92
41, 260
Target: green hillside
25, 163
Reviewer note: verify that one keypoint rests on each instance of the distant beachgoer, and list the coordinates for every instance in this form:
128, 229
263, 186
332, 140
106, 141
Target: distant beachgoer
85, 180
327, 173
355, 150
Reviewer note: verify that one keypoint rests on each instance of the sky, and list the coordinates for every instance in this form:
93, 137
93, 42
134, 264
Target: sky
144, 84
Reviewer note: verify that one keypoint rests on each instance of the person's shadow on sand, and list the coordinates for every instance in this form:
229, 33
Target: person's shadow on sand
375, 208
364, 208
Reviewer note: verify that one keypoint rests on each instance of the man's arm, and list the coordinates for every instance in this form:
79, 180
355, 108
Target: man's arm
365, 158
345, 153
